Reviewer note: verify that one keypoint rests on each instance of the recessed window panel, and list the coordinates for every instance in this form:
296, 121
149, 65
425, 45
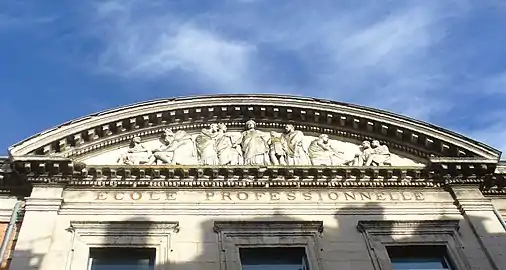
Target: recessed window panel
290, 258
419, 257
122, 258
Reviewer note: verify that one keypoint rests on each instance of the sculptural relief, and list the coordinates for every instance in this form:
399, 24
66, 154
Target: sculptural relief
372, 154
227, 147
277, 148
214, 146
178, 150
206, 143
322, 152
294, 148
254, 145
136, 154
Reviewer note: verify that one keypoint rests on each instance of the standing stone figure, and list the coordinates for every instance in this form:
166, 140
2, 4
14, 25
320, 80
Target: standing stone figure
136, 153
228, 148
254, 145
295, 152
206, 145
277, 152
321, 152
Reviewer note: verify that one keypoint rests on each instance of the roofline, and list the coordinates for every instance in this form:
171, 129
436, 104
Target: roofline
293, 97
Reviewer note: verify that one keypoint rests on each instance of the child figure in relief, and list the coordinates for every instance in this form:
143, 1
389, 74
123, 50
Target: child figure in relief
277, 152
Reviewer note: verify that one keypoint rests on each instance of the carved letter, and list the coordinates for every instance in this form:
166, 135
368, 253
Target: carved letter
392, 197
136, 195
291, 196
406, 196
274, 196
170, 196
307, 196
419, 196
209, 195
101, 196
241, 195
349, 196
380, 196
333, 196
258, 195
119, 196
365, 195
153, 196
225, 195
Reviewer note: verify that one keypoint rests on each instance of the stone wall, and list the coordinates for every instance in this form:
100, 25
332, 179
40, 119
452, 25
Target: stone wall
60, 226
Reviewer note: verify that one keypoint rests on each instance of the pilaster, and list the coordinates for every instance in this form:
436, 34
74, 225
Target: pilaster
479, 212
35, 237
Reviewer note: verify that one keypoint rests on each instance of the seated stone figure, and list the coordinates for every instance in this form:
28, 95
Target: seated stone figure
180, 151
364, 154
136, 154
321, 152
380, 156
372, 154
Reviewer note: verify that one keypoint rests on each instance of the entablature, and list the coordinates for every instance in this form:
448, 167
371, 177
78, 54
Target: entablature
114, 127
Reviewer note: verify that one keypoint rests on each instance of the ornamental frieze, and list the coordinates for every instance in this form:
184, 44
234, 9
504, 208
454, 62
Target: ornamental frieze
217, 146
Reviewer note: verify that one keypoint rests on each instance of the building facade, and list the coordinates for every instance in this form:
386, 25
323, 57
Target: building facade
251, 182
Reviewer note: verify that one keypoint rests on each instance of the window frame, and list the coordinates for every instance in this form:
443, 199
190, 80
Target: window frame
233, 235
121, 234
380, 234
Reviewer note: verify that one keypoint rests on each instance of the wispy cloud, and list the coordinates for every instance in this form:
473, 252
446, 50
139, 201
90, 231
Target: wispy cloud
397, 56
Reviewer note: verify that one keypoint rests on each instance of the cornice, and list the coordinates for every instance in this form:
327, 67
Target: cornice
147, 117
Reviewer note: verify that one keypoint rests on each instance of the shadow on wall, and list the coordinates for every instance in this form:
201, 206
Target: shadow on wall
362, 236
357, 237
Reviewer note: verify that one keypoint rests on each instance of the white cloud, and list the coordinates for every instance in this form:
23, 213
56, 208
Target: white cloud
153, 46
376, 54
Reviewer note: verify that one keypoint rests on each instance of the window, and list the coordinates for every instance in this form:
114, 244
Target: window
293, 258
122, 258
129, 244
419, 257
269, 245
414, 245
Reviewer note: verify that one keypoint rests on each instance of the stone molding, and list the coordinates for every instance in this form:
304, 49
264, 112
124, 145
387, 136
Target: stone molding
43, 204
233, 235
262, 226
130, 233
110, 127
433, 175
379, 234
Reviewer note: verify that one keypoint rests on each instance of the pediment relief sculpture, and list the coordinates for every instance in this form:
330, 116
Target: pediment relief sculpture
215, 146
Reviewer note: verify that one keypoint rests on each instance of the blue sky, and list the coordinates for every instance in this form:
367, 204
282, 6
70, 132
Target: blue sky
441, 61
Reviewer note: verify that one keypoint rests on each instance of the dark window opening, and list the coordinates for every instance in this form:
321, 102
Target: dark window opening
419, 257
290, 258
122, 258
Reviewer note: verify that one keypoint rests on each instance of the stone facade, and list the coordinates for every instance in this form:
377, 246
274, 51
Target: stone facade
198, 179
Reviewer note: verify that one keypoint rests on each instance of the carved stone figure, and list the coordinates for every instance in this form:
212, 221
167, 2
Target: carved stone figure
321, 152
277, 152
361, 158
228, 148
295, 152
180, 151
254, 145
381, 155
136, 153
206, 143
372, 154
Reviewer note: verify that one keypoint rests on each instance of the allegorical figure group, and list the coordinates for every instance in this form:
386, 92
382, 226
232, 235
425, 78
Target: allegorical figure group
215, 146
